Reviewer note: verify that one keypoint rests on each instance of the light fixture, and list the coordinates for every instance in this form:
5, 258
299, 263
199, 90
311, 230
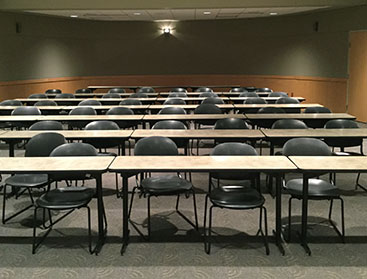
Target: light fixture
273, 13
137, 14
207, 13
73, 15
166, 30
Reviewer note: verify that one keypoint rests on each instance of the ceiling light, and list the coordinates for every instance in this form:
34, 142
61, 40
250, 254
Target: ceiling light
73, 15
137, 13
273, 13
166, 30
207, 13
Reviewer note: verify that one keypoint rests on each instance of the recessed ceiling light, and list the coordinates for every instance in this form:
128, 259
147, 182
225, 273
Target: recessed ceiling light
137, 13
207, 13
73, 15
166, 30
273, 13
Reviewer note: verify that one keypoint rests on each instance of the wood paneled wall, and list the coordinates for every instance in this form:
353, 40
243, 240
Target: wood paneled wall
330, 92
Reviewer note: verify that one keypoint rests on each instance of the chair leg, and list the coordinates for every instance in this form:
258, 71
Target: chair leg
208, 240
264, 235
36, 244
118, 194
196, 226
207, 250
148, 205
91, 251
358, 184
342, 233
289, 218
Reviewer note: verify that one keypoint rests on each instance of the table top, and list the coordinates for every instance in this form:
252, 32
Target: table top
199, 134
299, 116
190, 99
330, 163
250, 106
202, 163
315, 133
301, 99
58, 108
25, 118
77, 100
157, 117
69, 134
54, 164
190, 107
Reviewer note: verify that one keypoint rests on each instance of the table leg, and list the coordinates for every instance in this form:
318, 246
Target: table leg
11, 148
278, 213
305, 214
125, 208
101, 231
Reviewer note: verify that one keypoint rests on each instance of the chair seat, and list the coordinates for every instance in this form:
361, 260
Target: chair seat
317, 188
236, 197
27, 180
66, 198
165, 185
234, 175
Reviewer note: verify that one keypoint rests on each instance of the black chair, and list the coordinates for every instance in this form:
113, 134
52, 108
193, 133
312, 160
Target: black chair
213, 100
172, 110
161, 185
318, 189
123, 124
45, 103
316, 123
68, 198
278, 94
252, 100
265, 89
177, 95
288, 100
174, 101
53, 91
236, 197
206, 109
238, 89
46, 125
80, 124
37, 96
145, 89
232, 124
267, 123
24, 111
138, 95
111, 96
116, 90
11, 103
90, 102
208, 94
178, 90
344, 142
65, 96
40, 145
204, 89
83, 90
249, 94
131, 102
250, 88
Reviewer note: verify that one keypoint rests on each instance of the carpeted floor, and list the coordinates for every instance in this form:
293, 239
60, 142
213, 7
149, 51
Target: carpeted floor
176, 250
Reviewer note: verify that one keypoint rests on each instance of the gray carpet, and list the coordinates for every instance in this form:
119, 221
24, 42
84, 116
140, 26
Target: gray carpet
176, 250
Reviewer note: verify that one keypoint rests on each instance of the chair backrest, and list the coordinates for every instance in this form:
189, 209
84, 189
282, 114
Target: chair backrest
37, 96
45, 103
111, 96
65, 96
155, 146
116, 90
341, 124
120, 111
238, 89
46, 125
249, 94
255, 100
233, 149
178, 90
289, 124
208, 94
41, 145
90, 102
83, 90
169, 124
278, 94
204, 89
250, 88
306, 147
264, 89
139, 95
11, 103
53, 91
172, 110
102, 125
145, 89
317, 110
212, 100
230, 123
26, 111
74, 149
207, 109
342, 142
287, 100
174, 101
177, 94
271, 110
83, 111
131, 102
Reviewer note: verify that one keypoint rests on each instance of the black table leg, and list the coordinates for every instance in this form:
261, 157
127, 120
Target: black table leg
101, 231
125, 220
305, 214
11, 148
278, 214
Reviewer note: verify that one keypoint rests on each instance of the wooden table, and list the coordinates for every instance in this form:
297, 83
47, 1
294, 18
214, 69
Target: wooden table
270, 100
274, 164
134, 87
12, 137
220, 94
75, 101
189, 107
244, 107
99, 95
51, 165
333, 164
190, 99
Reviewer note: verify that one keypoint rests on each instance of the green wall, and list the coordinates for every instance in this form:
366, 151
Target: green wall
50, 47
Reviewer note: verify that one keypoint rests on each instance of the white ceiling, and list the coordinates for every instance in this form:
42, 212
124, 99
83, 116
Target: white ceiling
177, 14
